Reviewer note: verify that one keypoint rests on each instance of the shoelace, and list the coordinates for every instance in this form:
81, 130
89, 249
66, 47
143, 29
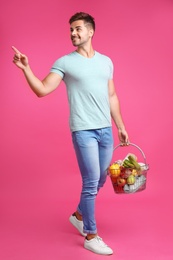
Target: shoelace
100, 241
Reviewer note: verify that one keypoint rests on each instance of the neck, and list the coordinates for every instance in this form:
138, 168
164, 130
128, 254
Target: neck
86, 52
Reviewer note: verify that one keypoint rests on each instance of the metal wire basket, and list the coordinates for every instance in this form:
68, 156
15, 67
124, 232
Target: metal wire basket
126, 180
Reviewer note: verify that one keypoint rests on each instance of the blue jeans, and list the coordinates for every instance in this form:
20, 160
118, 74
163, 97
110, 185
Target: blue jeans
94, 149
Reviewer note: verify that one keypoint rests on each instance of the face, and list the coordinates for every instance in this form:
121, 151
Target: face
81, 33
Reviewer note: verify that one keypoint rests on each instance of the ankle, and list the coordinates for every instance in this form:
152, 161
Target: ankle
91, 236
78, 215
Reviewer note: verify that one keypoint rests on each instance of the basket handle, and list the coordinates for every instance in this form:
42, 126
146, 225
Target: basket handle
134, 146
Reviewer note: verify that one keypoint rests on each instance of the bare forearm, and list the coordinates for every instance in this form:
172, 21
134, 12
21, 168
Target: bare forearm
35, 84
40, 88
116, 112
117, 118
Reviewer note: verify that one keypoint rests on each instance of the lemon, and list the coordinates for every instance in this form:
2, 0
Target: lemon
134, 172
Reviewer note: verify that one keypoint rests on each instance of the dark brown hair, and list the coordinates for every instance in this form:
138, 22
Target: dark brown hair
87, 18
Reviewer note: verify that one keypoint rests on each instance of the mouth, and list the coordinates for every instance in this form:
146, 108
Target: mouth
74, 38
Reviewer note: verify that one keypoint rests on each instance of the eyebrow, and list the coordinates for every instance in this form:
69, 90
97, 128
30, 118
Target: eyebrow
75, 27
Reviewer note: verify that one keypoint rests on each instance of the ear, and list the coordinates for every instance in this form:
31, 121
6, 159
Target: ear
91, 31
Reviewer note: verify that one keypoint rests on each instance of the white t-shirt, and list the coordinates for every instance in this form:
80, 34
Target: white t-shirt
86, 81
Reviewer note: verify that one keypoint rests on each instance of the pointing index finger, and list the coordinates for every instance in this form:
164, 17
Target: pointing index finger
16, 50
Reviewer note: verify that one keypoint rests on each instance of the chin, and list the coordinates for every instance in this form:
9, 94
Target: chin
74, 44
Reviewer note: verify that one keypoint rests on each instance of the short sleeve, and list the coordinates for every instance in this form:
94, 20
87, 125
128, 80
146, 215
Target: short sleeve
111, 69
58, 67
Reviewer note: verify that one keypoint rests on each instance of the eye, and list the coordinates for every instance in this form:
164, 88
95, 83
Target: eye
78, 29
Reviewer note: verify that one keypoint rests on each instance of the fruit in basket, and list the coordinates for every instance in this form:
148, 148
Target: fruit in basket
131, 162
134, 172
134, 162
131, 179
128, 172
133, 155
128, 164
113, 179
114, 169
125, 172
121, 181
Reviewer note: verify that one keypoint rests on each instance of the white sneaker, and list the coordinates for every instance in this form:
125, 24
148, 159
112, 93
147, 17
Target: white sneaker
97, 246
77, 224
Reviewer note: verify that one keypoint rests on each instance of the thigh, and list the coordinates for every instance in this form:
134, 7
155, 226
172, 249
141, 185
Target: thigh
105, 149
87, 153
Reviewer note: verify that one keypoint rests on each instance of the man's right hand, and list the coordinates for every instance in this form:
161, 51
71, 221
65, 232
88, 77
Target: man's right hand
20, 59
40, 87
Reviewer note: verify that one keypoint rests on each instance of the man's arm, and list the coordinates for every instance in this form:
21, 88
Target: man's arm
116, 113
40, 87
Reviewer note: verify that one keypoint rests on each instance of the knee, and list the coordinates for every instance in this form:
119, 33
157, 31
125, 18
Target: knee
90, 188
102, 180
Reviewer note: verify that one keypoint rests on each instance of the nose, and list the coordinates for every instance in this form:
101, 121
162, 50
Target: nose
73, 33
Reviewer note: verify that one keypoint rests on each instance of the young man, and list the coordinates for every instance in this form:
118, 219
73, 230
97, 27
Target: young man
88, 76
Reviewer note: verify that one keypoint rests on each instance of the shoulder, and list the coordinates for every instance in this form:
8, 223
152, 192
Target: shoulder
61, 60
105, 59
103, 56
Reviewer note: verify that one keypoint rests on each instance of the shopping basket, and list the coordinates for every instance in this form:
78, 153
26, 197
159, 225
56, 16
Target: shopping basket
128, 176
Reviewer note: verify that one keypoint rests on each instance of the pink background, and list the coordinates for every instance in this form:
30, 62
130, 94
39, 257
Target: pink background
39, 177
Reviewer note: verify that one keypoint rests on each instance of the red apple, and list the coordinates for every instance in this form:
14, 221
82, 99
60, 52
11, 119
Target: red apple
121, 181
